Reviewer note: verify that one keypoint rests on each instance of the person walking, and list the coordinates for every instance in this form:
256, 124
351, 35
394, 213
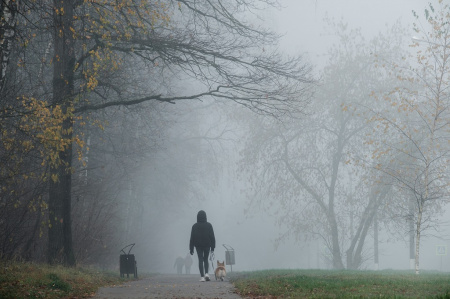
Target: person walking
179, 263
203, 239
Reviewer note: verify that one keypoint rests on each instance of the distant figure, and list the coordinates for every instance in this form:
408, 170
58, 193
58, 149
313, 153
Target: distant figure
179, 263
202, 238
188, 263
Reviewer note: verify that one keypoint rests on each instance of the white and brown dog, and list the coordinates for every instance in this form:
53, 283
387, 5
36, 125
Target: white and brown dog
220, 271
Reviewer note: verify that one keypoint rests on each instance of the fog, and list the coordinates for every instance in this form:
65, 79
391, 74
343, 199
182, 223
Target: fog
205, 144
302, 22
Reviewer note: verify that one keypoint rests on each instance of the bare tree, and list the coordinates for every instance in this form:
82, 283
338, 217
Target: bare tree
310, 167
93, 44
414, 125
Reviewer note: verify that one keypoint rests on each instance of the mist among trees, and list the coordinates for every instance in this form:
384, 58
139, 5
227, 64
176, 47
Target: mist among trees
117, 117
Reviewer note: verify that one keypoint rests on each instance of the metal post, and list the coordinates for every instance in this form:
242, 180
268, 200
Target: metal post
229, 256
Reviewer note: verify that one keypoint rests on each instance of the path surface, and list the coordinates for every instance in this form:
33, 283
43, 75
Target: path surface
170, 286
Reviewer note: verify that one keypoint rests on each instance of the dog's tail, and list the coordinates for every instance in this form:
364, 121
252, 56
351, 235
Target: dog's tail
220, 273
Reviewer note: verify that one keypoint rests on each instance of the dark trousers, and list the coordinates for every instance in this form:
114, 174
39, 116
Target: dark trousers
202, 253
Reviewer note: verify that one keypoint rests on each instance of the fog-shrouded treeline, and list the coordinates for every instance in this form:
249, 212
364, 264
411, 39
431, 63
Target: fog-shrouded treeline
372, 153
85, 88
120, 120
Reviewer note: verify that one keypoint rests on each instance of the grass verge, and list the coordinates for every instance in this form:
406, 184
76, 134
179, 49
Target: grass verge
341, 284
27, 280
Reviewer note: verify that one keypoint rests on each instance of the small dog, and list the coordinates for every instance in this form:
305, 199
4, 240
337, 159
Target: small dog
220, 271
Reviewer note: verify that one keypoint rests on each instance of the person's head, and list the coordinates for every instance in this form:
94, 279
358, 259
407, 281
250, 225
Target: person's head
201, 216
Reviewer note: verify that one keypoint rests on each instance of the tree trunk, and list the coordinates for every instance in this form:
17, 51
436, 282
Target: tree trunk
60, 231
411, 235
354, 252
369, 217
418, 228
8, 12
28, 248
337, 258
60, 248
375, 242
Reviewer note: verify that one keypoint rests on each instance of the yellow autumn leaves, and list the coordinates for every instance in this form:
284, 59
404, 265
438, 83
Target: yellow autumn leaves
44, 130
114, 21
48, 129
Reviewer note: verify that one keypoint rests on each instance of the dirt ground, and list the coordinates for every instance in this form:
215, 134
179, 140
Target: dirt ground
170, 286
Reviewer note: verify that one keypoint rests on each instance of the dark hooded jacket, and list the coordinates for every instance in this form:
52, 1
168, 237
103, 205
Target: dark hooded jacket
202, 233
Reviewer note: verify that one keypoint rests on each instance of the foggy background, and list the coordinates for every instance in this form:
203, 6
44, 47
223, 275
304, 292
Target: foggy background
205, 140
314, 135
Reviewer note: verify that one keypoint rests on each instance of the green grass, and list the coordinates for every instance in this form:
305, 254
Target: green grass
26, 280
341, 284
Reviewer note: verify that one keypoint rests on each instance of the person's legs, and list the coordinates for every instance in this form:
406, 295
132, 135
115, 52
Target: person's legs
200, 254
206, 256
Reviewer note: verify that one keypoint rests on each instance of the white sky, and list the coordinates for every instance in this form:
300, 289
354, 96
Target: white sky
301, 21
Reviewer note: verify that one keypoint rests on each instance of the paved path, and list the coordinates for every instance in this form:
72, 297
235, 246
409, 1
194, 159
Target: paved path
170, 286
